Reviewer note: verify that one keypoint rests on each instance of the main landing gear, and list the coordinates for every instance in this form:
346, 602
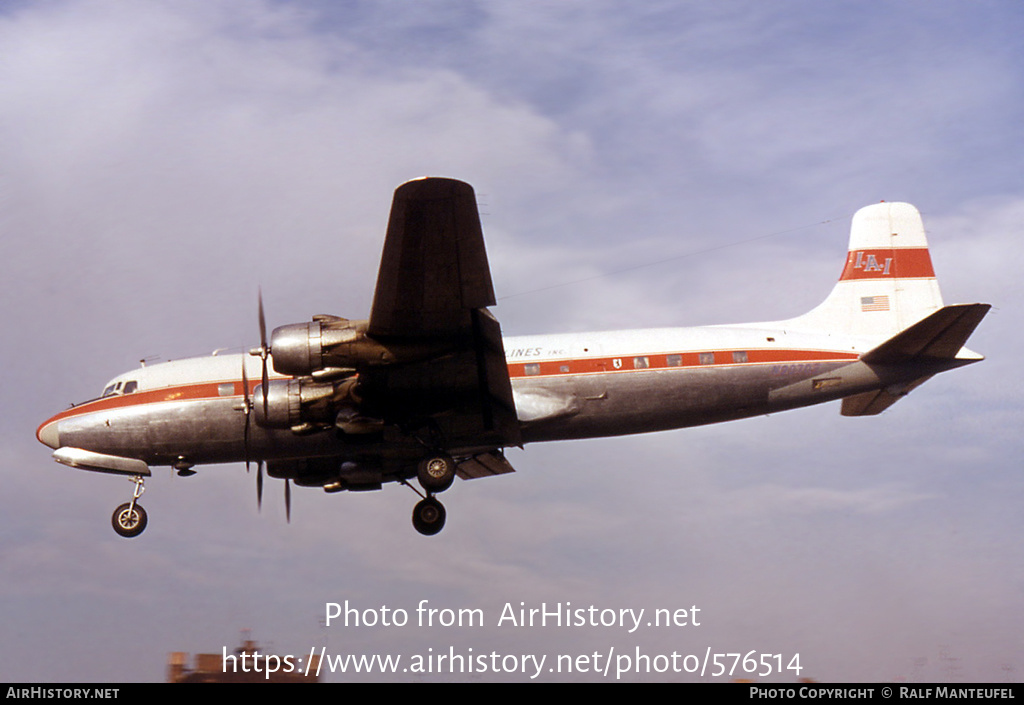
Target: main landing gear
130, 518
435, 474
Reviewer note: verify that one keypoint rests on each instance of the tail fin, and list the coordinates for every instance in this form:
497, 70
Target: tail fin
888, 283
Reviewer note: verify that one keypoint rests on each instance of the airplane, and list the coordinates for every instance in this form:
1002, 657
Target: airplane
427, 388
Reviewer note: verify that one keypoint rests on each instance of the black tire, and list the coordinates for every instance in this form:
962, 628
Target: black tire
436, 473
428, 516
127, 522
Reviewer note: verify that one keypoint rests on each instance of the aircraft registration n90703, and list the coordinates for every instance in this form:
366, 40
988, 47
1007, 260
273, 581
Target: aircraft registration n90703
427, 388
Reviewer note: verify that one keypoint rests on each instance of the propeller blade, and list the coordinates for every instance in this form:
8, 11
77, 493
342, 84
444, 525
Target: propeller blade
259, 485
248, 413
263, 322
288, 499
264, 352
264, 387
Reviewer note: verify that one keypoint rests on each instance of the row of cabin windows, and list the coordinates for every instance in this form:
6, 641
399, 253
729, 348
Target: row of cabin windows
643, 362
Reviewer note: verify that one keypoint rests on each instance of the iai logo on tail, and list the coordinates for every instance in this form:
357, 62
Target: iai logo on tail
869, 263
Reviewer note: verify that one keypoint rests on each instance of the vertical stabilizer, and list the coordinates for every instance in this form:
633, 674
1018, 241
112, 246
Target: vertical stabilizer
888, 283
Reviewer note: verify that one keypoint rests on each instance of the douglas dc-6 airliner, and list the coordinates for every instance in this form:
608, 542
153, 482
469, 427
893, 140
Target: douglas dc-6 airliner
427, 387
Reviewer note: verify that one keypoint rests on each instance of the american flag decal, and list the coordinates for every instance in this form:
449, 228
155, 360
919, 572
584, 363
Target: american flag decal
874, 303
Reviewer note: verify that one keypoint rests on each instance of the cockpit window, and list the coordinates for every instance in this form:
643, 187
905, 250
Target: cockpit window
121, 387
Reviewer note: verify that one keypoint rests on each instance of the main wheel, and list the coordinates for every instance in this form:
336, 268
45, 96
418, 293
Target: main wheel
436, 474
428, 516
129, 522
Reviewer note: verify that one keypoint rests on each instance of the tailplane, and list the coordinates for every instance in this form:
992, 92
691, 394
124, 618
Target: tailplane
934, 344
887, 284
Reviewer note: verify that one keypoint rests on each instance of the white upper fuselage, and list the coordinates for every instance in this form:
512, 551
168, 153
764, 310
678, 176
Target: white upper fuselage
564, 386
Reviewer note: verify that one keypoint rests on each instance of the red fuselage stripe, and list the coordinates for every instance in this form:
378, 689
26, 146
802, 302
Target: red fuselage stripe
544, 368
671, 361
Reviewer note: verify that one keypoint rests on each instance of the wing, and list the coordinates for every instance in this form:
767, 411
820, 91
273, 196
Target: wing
432, 292
434, 270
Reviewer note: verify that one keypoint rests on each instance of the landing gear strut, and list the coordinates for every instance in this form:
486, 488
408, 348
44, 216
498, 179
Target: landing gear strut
130, 519
436, 473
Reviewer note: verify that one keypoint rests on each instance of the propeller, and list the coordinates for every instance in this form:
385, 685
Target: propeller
248, 409
263, 352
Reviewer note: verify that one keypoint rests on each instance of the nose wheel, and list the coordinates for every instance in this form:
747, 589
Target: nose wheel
130, 519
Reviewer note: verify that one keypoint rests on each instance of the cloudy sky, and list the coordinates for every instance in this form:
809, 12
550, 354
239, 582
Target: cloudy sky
637, 164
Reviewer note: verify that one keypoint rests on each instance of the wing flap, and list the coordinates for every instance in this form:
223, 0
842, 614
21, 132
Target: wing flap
484, 465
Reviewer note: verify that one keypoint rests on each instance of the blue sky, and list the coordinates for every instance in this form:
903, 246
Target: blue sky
162, 160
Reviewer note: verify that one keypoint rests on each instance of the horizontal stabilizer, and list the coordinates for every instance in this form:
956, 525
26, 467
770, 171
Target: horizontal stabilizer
937, 339
875, 402
939, 336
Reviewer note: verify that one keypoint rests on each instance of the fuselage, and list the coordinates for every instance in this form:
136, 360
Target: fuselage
580, 385
427, 387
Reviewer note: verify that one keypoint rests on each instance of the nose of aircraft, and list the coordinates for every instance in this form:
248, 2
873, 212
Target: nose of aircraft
49, 434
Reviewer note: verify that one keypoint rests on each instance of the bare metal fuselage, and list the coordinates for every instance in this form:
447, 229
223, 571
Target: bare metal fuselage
575, 386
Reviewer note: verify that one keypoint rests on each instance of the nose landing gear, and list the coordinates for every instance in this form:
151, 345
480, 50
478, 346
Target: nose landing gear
130, 519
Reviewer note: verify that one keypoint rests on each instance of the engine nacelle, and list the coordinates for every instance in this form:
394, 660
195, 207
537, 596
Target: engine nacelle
329, 347
299, 348
301, 404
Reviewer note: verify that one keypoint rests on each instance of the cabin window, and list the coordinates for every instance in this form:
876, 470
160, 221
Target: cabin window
641, 363
226, 389
706, 358
739, 356
674, 360
130, 387
563, 368
532, 368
